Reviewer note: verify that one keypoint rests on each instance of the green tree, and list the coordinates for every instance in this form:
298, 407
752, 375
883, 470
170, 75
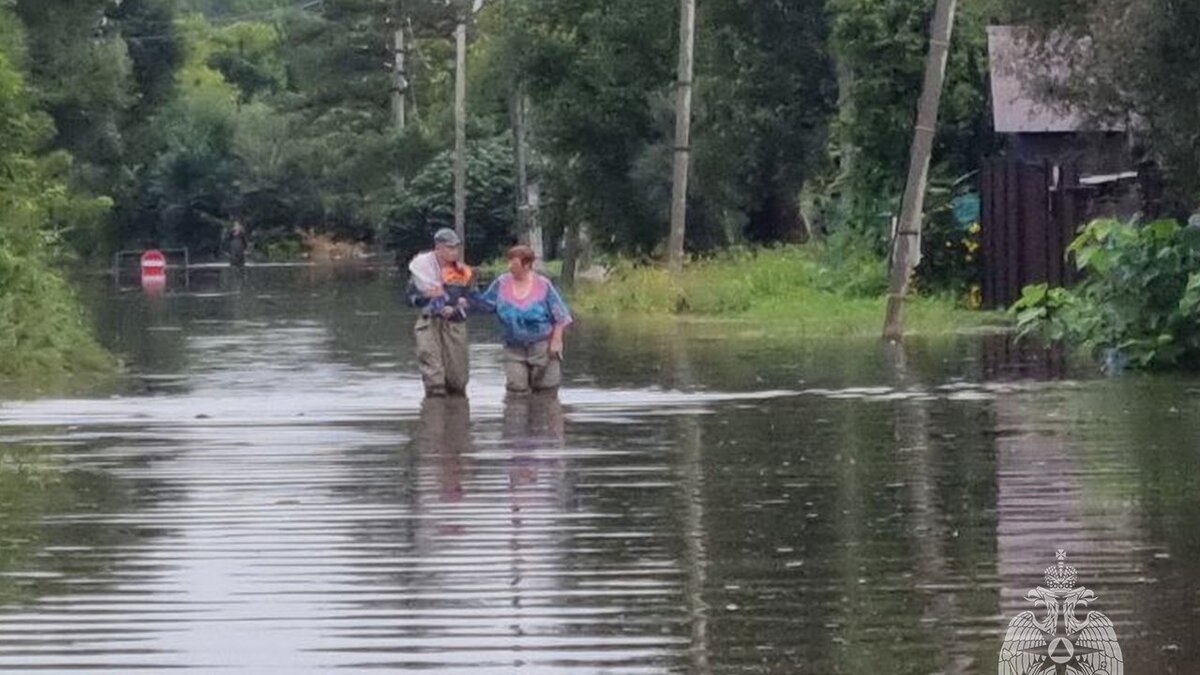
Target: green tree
80, 72
593, 71
338, 98
41, 328
428, 201
766, 93
881, 47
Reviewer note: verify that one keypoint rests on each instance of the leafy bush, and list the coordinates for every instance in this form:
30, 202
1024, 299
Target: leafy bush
427, 203
41, 326
850, 266
1138, 302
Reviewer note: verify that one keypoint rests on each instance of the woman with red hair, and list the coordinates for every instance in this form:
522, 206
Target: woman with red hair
533, 316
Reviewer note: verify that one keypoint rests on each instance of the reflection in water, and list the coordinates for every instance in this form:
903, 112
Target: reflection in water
912, 429
36, 491
445, 436
533, 433
269, 493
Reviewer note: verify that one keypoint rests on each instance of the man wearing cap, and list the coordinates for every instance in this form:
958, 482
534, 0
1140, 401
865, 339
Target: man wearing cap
440, 285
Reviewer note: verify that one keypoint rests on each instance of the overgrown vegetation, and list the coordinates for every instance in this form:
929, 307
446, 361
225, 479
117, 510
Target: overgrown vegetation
880, 49
161, 122
795, 290
1139, 301
41, 329
190, 114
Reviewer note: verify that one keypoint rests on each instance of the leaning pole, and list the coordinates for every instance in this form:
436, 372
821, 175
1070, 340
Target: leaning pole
907, 241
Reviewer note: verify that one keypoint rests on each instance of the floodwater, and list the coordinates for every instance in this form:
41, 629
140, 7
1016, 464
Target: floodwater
267, 493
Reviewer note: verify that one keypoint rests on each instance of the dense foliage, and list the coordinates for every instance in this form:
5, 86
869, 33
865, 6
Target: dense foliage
881, 49
1138, 303
189, 114
41, 330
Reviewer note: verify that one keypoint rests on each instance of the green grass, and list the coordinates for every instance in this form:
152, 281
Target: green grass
790, 291
494, 268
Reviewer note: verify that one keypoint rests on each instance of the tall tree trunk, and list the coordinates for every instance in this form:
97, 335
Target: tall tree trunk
412, 90
846, 113
460, 129
577, 252
683, 129
536, 241
906, 245
399, 78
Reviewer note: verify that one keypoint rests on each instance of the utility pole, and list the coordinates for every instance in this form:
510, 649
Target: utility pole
460, 126
683, 131
527, 194
399, 77
906, 245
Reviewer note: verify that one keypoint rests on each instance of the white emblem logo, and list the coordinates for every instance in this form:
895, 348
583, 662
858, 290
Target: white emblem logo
1059, 643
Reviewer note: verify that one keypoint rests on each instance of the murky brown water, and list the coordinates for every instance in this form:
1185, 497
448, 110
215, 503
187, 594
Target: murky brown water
268, 493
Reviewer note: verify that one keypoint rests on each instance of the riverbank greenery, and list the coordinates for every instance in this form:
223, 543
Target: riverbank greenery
811, 290
163, 122
1138, 303
189, 115
42, 332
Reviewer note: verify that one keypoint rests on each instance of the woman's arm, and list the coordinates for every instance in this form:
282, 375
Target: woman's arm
556, 340
562, 318
485, 302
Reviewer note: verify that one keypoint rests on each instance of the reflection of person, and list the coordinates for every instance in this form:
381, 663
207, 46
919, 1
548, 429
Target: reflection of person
531, 424
533, 420
445, 437
440, 286
533, 317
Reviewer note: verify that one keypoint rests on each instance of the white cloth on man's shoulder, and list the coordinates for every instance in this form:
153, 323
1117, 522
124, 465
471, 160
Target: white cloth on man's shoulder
426, 271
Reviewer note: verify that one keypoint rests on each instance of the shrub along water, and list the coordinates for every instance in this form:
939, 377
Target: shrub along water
42, 332
1138, 303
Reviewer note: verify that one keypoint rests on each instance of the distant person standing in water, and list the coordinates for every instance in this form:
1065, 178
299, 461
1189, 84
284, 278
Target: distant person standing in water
440, 286
533, 317
237, 245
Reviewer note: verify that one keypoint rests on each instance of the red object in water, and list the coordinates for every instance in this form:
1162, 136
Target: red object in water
154, 269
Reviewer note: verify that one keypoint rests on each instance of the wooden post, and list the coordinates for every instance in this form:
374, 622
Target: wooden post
577, 252
906, 245
460, 129
683, 129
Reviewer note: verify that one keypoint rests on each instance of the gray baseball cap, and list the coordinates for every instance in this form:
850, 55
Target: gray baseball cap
447, 237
